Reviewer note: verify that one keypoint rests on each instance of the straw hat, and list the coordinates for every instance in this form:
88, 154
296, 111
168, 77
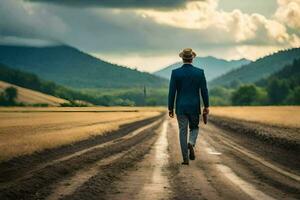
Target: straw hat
187, 53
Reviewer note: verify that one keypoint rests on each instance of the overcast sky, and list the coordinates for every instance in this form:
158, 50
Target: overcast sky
149, 34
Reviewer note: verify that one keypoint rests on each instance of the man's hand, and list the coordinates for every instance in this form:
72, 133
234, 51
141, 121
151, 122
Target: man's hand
171, 113
206, 111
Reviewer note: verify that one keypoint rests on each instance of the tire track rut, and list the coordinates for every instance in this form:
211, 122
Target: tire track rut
34, 184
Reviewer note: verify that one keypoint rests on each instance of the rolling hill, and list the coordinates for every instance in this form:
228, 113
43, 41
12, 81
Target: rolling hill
258, 69
99, 96
30, 97
33, 83
213, 67
70, 67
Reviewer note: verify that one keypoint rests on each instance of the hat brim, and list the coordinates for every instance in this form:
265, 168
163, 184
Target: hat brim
185, 56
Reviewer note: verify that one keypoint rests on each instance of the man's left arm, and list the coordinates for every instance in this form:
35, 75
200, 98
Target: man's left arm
204, 92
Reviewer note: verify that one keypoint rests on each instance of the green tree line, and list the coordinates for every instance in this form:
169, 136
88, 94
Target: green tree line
142, 96
281, 88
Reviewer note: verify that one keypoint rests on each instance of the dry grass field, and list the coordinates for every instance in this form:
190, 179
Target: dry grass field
287, 116
83, 109
28, 96
27, 130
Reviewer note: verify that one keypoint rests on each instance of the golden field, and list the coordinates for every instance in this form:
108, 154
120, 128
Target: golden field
27, 130
288, 116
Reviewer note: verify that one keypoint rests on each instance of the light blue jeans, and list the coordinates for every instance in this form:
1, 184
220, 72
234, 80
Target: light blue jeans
185, 121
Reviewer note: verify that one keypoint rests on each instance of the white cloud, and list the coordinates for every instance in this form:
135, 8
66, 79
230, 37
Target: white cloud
254, 52
288, 12
222, 27
196, 15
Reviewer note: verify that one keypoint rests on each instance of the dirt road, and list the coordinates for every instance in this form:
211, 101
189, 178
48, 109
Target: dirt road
142, 161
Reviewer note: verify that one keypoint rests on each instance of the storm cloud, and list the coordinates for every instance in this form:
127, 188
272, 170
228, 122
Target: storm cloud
118, 3
144, 32
23, 23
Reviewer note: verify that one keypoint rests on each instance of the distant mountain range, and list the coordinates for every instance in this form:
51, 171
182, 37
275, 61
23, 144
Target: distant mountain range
70, 67
213, 67
258, 69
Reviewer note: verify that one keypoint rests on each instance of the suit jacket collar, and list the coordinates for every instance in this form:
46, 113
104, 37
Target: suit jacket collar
187, 65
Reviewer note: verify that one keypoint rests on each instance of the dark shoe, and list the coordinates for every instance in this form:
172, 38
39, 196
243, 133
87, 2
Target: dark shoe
192, 152
185, 163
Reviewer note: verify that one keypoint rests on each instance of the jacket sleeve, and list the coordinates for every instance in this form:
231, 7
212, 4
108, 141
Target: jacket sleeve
204, 91
172, 92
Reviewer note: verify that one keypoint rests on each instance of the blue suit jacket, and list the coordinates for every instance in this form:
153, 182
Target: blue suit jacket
186, 84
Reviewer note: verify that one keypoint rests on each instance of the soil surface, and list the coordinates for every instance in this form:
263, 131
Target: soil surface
284, 137
142, 160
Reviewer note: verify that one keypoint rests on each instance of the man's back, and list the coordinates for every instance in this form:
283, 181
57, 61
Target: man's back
186, 82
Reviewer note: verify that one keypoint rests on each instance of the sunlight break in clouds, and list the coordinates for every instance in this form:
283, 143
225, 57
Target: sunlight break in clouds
204, 16
149, 63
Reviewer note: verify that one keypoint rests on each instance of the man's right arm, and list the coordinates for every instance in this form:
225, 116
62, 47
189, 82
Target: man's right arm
172, 93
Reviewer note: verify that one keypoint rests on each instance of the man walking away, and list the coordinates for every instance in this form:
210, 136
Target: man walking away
185, 84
